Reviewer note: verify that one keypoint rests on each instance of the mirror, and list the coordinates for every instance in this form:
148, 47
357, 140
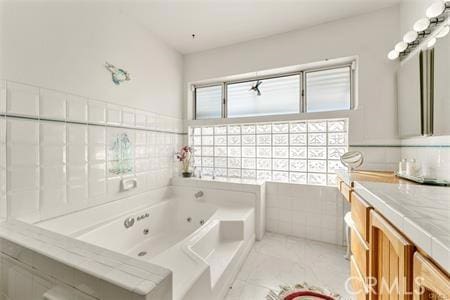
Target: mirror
423, 92
441, 117
352, 159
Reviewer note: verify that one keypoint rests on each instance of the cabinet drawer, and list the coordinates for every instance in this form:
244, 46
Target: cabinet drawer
429, 281
345, 190
360, 251
358, 285
360, 215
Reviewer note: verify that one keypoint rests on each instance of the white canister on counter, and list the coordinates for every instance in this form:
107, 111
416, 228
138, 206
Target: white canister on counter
402, 166
411, 167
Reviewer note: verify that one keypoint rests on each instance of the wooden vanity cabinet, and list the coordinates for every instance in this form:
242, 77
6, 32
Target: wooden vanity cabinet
430, 283
391, 261
360, 215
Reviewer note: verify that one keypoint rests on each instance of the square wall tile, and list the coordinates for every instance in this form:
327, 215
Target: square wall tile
77, 134
53, 177
96, 153
128, 118
22, 155
22, 99
22, 178
97, 172
52, 133
52, 104
52, 202
77, 196
114, 114
76, 109
22, 131
97, 191
24, 205
2, 96
96, 112
97, 135
77, 175
77, 154
52, 155
140, 120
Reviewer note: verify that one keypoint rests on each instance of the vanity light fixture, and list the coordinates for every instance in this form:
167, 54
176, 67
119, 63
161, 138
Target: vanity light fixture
436, 9
410, 36
400, 47
443, 31
431, 42
421, 24
393, 55
426, 29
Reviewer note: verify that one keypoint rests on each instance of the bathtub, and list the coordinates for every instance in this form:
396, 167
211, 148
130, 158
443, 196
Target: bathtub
202, 240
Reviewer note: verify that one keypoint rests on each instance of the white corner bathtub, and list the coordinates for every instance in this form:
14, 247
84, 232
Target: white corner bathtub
203, 241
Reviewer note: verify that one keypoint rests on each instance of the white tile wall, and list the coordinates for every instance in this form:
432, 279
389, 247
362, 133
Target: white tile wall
22, 99
49, 167
3, 208
76, 109
2, 96
431, 153
378, 158
52, 105
306, 211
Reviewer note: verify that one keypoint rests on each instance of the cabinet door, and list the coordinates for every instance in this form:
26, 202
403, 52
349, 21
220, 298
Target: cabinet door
429, 281
390, 261
361, 215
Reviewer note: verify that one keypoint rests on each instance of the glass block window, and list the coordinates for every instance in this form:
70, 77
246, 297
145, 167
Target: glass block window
297, 151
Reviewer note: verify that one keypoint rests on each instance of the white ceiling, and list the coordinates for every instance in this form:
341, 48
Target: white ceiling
218, 23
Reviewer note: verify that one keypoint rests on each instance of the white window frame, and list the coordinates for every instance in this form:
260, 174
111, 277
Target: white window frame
302, 98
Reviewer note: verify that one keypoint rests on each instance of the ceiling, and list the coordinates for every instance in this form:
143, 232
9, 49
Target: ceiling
218, 23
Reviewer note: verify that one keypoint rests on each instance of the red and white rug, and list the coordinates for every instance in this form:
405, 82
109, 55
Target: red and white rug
302, 291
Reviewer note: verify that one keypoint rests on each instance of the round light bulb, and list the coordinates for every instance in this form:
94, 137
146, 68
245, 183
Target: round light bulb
435, 9
410, 36
443, 32
421, 25
431, 42
400, 47
393, 55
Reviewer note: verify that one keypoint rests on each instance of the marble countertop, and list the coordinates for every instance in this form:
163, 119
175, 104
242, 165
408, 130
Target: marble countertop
420, 212
129, 273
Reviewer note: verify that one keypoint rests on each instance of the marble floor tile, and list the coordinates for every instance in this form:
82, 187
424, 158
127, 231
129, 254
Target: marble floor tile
279, 260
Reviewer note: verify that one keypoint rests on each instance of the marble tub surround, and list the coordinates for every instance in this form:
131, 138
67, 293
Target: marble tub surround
91, 270
420, 212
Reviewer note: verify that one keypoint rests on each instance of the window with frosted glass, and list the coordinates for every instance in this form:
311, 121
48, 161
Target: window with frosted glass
208, 102
296, 151
328, 90
276, 96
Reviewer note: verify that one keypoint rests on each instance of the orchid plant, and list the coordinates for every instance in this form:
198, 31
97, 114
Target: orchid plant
184, 156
